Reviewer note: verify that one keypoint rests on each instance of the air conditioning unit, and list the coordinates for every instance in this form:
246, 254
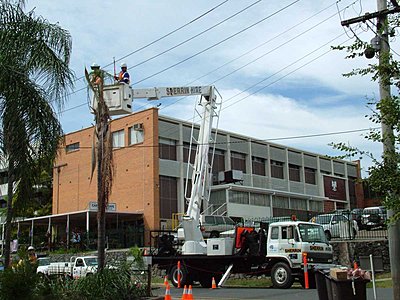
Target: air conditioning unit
230, 176
138, 127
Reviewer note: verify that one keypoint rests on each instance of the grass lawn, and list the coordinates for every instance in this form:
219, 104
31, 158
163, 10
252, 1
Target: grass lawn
383, 280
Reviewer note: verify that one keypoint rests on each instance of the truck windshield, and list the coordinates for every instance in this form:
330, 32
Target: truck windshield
312, 233
91, 262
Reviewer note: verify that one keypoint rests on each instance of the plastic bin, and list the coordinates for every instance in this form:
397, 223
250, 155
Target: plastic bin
321, 283
344, 289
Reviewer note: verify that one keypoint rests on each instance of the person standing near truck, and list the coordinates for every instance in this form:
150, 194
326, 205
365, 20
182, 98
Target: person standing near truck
32, 257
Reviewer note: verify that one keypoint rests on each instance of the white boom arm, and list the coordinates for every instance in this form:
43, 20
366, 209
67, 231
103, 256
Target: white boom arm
194, 242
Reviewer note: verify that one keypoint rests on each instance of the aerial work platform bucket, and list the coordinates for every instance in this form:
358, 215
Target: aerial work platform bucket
118, 98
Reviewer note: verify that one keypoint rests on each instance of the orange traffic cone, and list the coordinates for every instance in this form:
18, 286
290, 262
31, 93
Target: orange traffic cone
166, 281
167, 293
355, 265
213, 284
184, 295
190, 293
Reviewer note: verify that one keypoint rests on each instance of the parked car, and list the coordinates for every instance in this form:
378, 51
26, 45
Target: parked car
43, 265
211, 226
336, 226
373, 217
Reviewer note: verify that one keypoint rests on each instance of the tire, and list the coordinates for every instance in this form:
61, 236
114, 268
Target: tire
185, 277
214, 234
281, 276
328, 235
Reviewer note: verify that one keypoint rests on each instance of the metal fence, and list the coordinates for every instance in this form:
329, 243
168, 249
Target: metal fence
346, 225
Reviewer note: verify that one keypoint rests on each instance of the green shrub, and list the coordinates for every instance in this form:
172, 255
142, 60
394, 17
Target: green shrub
22, 283
19, 282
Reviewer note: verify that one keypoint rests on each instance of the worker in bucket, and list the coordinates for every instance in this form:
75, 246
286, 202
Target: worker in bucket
96, 74
123, 76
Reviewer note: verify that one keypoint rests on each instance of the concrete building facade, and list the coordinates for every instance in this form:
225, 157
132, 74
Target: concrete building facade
150, 160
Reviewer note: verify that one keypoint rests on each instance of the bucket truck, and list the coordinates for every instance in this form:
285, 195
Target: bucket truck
277, 250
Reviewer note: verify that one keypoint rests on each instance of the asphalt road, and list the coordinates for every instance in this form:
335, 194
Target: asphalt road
259, 294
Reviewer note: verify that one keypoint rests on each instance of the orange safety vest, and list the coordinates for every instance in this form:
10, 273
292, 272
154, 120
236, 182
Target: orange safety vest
121, 75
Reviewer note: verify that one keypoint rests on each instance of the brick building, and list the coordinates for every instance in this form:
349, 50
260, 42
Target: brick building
150, 158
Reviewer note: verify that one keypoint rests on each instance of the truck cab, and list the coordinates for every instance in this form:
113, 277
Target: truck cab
287, 242
84, 266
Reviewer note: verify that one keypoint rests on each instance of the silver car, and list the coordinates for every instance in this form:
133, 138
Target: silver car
337, 226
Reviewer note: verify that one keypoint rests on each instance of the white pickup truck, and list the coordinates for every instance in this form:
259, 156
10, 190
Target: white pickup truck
77, 267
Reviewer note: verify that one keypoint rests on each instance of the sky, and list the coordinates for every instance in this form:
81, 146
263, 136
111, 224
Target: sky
270, 60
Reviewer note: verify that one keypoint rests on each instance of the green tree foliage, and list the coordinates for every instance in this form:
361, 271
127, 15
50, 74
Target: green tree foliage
34, 76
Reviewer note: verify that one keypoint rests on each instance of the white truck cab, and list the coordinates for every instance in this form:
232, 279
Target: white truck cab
287, 242
76, 268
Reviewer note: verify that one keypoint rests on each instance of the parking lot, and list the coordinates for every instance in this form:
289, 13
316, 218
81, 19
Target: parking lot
258, 293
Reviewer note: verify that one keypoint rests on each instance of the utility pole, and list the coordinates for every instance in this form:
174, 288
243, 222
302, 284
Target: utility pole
387, 130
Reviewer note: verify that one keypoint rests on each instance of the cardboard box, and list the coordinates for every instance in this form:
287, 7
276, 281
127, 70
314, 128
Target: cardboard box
338, 274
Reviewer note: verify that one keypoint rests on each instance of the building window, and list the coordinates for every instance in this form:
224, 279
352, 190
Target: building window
239, 197
167, 149
309, 175
317, 206
187, 150
72, 147
258, 165
238, 161
277, 169
259, 199
136, 136
219, 160
168, 197
298, 204
118, 139
294, 173
280, 202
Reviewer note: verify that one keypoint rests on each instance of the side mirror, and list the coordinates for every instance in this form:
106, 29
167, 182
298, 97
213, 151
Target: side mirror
291, 241
334, 222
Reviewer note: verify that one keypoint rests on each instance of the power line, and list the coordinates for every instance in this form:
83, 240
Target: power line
218, 43
180, 99
195, 36
157, 40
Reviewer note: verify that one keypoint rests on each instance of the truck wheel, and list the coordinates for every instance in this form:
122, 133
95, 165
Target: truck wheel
281, 276
185, 277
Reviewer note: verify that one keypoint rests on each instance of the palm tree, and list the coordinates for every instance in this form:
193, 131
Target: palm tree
34, 75
104, 155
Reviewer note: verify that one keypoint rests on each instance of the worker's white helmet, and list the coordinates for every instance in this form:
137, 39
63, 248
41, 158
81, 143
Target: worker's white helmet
94, 66
124, 65
31, 248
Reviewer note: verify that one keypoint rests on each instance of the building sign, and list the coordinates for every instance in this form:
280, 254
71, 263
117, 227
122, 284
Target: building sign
110, 206
335, 188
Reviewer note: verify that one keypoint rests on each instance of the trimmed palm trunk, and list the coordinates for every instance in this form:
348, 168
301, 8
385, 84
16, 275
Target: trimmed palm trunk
103, 158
